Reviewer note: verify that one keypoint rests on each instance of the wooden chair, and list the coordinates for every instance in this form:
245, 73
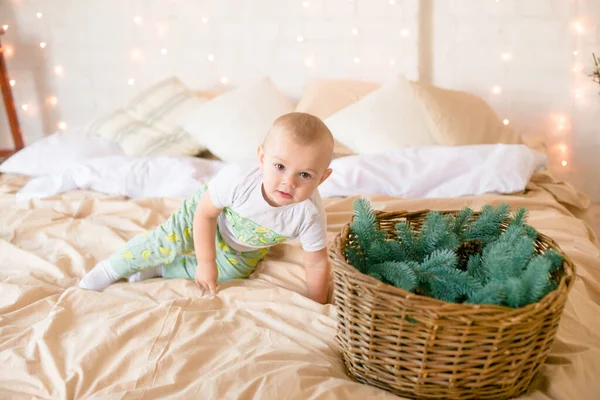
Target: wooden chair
9, 104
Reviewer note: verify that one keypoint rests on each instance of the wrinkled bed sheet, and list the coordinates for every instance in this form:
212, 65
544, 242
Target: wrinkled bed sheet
258, 338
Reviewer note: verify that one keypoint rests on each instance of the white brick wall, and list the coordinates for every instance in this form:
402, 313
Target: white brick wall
93, 41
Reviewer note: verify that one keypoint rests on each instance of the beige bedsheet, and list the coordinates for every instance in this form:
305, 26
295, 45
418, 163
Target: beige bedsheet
258, 338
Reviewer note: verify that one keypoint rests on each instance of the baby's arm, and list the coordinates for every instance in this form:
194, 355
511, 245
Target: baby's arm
204, 231
317, 275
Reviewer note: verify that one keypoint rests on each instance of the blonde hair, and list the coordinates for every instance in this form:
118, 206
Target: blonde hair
304, 128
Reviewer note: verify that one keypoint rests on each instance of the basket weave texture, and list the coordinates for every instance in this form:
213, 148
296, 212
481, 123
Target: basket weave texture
423, 348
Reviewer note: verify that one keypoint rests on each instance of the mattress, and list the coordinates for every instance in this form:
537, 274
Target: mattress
257, 338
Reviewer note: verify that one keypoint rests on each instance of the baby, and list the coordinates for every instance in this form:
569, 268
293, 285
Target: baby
231, 223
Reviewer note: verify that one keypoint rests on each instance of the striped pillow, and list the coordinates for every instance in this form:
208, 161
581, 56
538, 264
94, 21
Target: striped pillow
152, 123
138, 138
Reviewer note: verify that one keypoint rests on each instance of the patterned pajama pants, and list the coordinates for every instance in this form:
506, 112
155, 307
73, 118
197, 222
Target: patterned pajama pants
172, 244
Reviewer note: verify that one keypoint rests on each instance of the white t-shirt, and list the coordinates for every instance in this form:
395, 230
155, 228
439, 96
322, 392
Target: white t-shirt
248, 222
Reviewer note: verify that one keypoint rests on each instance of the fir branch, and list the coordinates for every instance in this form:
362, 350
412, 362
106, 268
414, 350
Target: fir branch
522, 249
520, 217
399, 274
438, 277
476, 269
356, 257
497, 261
461, 221
492, 293
447, 284
514, 292
365, 224
487, 227
555, 259
409, 241
437, 234
385, 250
522, 253
531, 232
445, 258
536, 278
377, 276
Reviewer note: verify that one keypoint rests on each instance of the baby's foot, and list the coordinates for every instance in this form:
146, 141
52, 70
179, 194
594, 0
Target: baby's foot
100, 277
147, 273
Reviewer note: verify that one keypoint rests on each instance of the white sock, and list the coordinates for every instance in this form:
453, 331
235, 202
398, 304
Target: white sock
100, 277
147, 273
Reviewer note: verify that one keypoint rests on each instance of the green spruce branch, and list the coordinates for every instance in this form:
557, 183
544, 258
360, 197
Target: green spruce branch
498, 251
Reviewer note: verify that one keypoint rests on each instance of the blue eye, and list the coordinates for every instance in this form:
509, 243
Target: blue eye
280, 167
305, 175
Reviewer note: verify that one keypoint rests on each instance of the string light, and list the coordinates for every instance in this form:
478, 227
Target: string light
308, 62
136, 54
162, 30
61, 125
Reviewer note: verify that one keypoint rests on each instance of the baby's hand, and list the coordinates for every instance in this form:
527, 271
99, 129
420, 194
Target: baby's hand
206, 276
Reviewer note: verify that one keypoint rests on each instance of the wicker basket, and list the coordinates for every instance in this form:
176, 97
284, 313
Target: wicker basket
424, 348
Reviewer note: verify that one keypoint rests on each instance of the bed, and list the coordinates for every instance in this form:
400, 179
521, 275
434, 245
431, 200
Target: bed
258, 338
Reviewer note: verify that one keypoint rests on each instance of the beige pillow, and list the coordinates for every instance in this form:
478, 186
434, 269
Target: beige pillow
235, 123
388, 118
461, 118
324, 97
152, 123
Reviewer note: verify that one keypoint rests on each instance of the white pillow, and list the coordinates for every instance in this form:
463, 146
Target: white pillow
435, 171
134, 177
56, 152
388, 118
232, 125
152, 123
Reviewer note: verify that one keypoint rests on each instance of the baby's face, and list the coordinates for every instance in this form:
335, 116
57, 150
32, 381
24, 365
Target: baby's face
291, 171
